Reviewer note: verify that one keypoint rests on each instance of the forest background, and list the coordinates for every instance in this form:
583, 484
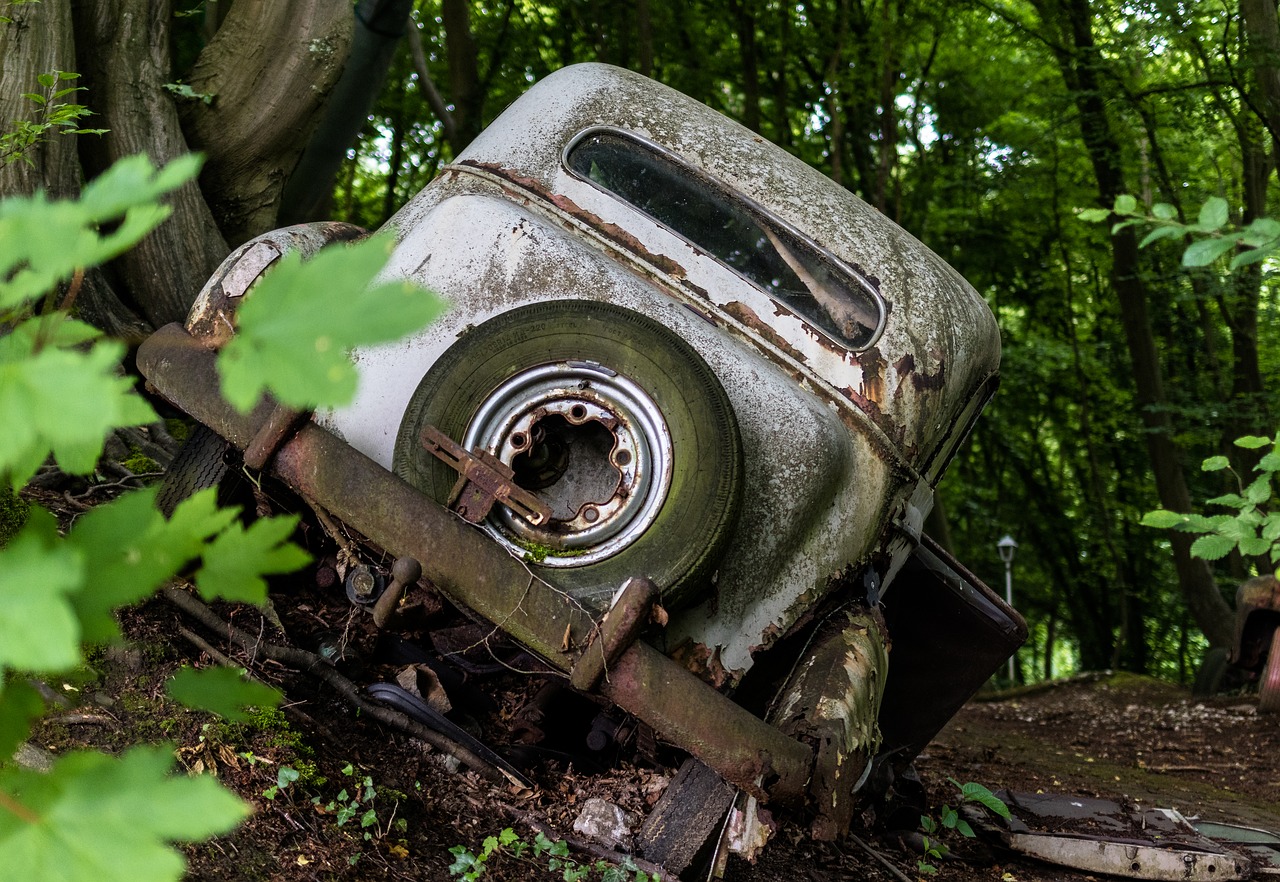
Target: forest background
981, 127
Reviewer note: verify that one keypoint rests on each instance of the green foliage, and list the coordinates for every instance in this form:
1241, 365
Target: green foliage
98, 817
221, 690
52, 116
949, 819
1254, 243
545, 853
1250, 527
50, 239
182, 90
108, 819
13, 514
236, 560
297, 327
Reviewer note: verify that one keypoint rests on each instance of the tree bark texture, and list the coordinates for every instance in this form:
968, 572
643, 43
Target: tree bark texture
1080, 61
269, 70
464, 73
40, 40
123, 52
1262, 38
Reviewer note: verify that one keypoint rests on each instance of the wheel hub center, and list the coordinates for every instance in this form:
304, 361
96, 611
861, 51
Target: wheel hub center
592, 444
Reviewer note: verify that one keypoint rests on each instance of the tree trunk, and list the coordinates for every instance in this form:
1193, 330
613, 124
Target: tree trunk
1262, 39
123, 52
269, 70
1080, 61
464, 73
40, 40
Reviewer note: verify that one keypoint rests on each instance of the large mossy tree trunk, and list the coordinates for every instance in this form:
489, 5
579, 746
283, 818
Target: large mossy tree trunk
269, 67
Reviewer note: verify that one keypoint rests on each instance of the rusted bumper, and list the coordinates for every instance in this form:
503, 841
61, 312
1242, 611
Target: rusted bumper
466, 565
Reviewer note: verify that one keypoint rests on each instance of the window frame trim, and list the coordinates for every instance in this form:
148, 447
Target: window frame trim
752, 206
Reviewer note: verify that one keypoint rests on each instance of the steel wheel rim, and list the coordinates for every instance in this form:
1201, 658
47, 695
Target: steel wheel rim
573, 404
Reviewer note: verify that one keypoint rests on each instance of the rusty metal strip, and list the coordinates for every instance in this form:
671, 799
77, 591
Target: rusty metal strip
471, 569
617, 632
483, 480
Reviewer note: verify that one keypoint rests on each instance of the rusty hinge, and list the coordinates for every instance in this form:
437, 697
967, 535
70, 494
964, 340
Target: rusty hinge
483, 480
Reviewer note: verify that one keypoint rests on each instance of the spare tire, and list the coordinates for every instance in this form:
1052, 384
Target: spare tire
611, 419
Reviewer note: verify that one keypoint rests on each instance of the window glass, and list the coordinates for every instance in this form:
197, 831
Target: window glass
787, 267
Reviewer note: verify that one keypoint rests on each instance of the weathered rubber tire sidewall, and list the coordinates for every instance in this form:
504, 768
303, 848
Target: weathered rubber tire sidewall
683, 546
198, 465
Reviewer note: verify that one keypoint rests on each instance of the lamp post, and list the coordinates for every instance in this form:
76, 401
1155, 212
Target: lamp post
1006, 546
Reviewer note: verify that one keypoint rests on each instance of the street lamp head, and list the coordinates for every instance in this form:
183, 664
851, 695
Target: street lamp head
1007, 547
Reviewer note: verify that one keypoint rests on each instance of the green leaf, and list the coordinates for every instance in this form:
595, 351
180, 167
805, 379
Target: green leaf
46, 241
107, 819
1261, 231
131, 550
286, 776
1195, 523
295, 330
1252, 442
1163, 211
1162, 519
1160, 233
1203, 252
1254, 546
1213, 214
62, 401
974, 792
1125, 204
1093, 215
1229, 499
1215, 464
1259, 491
20, 703
38, 574
224, 691
1212, 547
236, 561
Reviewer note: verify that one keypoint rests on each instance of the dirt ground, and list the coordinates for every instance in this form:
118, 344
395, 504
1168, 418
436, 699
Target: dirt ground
338, 795
1121, 737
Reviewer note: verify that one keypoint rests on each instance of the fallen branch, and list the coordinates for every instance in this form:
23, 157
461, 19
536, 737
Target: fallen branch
310, 663
881, 859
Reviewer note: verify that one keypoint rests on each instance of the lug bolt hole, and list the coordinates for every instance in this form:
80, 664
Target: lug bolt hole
578, 412
591, 515
519, 441
622, 458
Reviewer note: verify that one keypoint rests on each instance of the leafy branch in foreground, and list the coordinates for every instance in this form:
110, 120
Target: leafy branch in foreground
1212, 238
95, 817
1251, 527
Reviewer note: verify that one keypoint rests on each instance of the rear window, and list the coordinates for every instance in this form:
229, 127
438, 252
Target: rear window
789, 268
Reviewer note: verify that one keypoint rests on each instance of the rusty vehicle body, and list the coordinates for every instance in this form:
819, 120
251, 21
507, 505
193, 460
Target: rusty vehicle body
1255, 650
839, 366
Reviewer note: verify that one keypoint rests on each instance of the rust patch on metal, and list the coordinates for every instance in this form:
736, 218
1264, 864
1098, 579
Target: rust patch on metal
612, 232
702, 661
743, 313
922, 381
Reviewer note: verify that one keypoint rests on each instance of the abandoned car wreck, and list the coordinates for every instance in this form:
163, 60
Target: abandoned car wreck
676, 436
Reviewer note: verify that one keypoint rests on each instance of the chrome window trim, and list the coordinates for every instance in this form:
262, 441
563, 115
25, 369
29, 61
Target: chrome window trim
752, 207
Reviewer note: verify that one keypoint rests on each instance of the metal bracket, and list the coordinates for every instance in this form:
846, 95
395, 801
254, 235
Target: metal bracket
483, 480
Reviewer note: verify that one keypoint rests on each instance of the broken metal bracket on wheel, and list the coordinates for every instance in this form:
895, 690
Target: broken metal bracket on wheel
473, 570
